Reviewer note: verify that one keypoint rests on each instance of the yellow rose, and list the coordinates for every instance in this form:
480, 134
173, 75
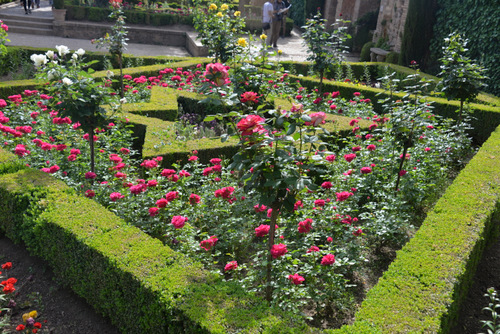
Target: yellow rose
33, 314
25, 317
242, 42
263, 37
280, 52
224, 7
219, 14
237, 13
212, 6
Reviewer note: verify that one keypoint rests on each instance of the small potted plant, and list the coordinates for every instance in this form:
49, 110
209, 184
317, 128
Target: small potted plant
59, 11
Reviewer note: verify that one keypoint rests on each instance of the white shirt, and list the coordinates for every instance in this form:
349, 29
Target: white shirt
266, 16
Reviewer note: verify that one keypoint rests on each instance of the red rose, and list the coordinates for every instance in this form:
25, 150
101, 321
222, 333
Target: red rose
278, 250
231, 266
296, 279
328, 259
7, 265
262, 230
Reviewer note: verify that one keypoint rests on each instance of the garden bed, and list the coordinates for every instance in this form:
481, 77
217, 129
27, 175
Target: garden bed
123, 254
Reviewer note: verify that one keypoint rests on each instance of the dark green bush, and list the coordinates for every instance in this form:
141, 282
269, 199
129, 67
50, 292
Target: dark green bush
97, 14
392, 57
365, 51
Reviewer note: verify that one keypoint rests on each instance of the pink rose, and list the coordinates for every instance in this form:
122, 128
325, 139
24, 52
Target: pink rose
296, 279
278, 250
262, 230
328, 260
179, 221
231, 266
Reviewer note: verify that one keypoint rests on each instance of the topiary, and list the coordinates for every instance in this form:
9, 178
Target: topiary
365, 51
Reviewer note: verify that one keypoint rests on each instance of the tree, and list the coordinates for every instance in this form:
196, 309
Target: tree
462, 78
325, 48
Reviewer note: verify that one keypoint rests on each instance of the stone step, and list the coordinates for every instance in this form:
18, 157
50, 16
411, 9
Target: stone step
26, 19
46, 31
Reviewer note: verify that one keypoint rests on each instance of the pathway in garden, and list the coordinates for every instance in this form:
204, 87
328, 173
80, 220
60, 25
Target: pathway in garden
292, 47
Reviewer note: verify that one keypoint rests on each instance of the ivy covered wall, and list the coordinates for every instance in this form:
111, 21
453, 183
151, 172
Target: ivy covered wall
478, 21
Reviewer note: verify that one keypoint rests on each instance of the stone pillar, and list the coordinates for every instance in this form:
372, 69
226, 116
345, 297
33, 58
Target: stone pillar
391, 22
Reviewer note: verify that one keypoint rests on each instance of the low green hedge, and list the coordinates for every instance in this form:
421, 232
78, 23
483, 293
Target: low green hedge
140, 284
424, 287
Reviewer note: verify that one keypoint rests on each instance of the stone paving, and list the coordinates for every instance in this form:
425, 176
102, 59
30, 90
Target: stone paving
292, 47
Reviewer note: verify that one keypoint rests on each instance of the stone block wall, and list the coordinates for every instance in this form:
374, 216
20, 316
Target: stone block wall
391, 22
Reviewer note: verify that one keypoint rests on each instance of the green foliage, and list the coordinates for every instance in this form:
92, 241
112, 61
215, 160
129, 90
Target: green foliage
462, 78
298, 12
325, 48
365, 51
392, 57
58, 4
480, 22
418, 32
493, 324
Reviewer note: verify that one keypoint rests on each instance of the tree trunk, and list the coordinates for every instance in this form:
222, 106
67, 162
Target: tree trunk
91, 142
120, 63
274, 218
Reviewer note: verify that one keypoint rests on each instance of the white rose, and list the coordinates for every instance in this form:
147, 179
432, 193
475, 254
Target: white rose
80, 52
50, 54
109, 74
67, 81
39, 60
123, 100
74, 56
62, 50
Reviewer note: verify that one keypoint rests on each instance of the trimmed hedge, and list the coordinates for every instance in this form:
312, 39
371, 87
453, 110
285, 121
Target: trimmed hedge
424, 287
140, 284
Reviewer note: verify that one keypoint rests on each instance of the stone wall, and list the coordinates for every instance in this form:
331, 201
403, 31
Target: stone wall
350, 10
391, 22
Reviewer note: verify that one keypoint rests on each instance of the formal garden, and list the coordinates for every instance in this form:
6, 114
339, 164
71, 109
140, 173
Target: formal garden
244, 194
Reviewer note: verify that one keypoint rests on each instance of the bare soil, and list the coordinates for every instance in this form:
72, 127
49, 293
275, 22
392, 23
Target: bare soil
60, 310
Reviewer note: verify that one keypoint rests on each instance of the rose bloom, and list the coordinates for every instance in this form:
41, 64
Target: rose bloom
231, 266
262, 230
326, 185
296, 279
153, 211
217, 73
124, 150
249, 97
328, 260
167, 172
171, 195
305, 226
115, 196
342, 196
7, 266
179, 221
366, 170
90, 175
278, 250
184, 173
330, 158
250, 124
89, 193
149, 164
371, 147
215, 161
329, 239
193, 158
319, 202
313, 249
317, 118
350, 157
194, 199
209, 243
402, 172
224, 192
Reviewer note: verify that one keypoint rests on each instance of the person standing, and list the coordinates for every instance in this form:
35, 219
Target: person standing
278, 10
283, 21
27, 9
267, 17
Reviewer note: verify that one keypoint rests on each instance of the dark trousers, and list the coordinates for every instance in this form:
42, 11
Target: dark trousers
29, 5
